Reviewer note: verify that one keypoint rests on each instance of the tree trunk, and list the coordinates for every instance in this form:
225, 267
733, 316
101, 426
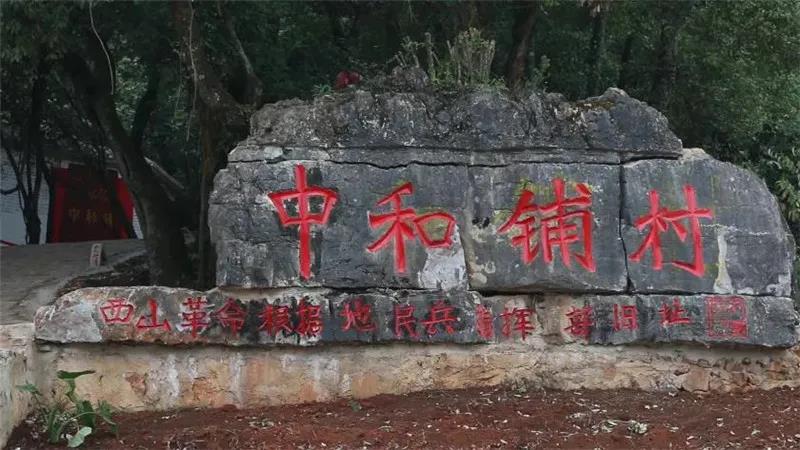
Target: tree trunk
595, 54
665, 69
166, 251
167, 258
34, 159
517, 62
625, 62
221, 119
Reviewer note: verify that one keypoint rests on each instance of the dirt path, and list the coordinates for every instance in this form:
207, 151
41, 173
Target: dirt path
474, 418
33, 275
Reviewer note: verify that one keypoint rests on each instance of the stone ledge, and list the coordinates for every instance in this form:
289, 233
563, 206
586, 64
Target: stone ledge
293, 317
611, 125
152, 377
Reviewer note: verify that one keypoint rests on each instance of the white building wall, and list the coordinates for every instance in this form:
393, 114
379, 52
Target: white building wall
12, 227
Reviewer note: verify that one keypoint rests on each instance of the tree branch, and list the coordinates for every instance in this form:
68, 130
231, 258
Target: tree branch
146, 106
253, 88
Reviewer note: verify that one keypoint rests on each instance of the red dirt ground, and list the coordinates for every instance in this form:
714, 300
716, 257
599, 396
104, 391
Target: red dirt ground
472, 418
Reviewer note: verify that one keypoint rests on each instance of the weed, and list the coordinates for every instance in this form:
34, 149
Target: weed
70, 418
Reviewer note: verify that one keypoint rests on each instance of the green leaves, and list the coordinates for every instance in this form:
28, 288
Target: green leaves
56, 418
28, 387
77, 439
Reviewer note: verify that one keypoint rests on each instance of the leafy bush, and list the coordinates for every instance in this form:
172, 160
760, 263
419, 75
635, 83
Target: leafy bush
70, 417
466, 62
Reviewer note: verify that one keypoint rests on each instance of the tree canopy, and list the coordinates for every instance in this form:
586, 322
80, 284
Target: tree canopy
171, 85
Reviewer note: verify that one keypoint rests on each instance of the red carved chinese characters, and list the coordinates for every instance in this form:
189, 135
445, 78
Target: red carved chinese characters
358, 316
673, 315
231, 316
581, 321
275, 318
196, 316
726, 316
305, 218
441, 315
405, 324
309, 319
660, 219
404, 224
484, 322
625, 317
558, 224
151, 321
116, 311
517, 319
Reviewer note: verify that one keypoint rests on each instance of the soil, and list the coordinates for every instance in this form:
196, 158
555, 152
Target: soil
132, 272
506, 417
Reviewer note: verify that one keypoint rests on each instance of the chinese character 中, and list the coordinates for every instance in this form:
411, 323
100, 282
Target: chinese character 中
305, 218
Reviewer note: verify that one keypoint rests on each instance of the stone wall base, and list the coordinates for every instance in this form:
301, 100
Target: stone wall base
157, 377
148, 377
17, 363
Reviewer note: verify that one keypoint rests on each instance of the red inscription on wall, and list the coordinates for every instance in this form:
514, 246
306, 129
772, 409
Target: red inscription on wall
404, 223
673, 315
484, 322
440, 316
196, 316
309, 319
357, 316
405, 324
146, 322
581, 321
517, 320
726, 317
625, 317
116, 311
231, 316
562, 223
305, 218
660, 219
275, 318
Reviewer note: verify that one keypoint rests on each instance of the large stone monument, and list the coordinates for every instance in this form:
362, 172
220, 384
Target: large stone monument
418, 239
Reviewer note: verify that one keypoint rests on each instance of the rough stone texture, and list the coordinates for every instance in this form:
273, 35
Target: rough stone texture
254, 250
705, 319
162, 378
747, 248
94, 315
17, 362
611, 127
497, 265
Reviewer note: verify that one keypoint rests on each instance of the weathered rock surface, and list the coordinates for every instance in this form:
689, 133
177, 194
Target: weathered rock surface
540, 127
643, 319
594, 261
255, 250
276, 317
321, 316
744, 243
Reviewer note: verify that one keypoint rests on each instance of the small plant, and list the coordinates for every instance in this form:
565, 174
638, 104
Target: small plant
70, 418
466, 62
322, 89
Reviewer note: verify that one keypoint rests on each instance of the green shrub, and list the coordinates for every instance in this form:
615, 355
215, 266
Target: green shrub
70, 417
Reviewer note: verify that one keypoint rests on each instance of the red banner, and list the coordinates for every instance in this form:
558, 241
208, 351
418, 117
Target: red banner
82, 206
